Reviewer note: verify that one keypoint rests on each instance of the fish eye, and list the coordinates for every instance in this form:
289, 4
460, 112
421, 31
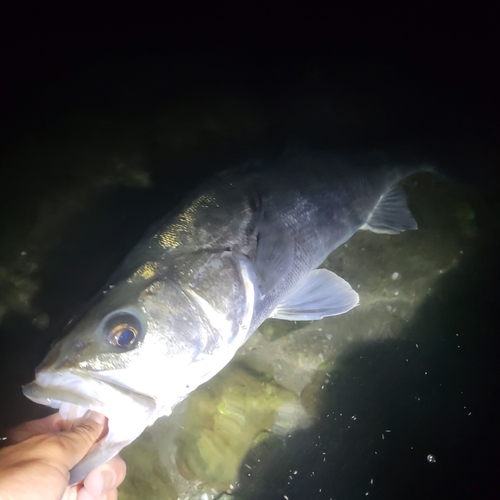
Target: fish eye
123, 335
123, 330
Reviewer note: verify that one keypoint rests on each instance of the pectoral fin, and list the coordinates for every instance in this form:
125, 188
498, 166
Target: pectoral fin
391, 214
322, 293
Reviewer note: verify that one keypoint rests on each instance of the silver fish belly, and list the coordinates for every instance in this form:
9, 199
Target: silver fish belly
244, 247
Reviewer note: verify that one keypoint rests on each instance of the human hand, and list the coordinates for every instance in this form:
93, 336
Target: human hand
37, 466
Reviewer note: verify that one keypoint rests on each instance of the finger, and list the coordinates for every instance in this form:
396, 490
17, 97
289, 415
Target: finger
71, 493
47, 425
85, 495
76, 443
112, 495
106, 478
118, 465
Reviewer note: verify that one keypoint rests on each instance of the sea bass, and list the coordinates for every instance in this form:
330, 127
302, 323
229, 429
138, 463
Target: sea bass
244, 247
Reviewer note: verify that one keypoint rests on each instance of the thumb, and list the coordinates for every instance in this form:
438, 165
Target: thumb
77, 442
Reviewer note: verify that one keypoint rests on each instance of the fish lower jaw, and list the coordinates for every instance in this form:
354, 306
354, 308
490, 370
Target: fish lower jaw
73, 395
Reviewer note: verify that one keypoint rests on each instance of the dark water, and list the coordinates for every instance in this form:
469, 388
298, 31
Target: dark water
94, 105
400, 422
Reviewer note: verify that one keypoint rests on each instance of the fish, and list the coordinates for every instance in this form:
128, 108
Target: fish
244, 246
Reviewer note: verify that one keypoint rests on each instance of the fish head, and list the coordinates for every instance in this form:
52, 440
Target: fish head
141, 349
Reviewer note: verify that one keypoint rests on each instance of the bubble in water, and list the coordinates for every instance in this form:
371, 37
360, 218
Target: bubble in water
431, 458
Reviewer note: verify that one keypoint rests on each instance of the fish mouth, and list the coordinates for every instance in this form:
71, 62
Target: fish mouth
74, 393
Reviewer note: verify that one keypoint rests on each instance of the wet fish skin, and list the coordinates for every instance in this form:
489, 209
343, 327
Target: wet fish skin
243, 247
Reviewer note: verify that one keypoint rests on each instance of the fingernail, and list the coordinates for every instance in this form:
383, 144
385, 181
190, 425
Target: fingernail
98, 418
108, 480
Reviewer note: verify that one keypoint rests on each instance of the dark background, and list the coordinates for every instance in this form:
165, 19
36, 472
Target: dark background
80, 82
